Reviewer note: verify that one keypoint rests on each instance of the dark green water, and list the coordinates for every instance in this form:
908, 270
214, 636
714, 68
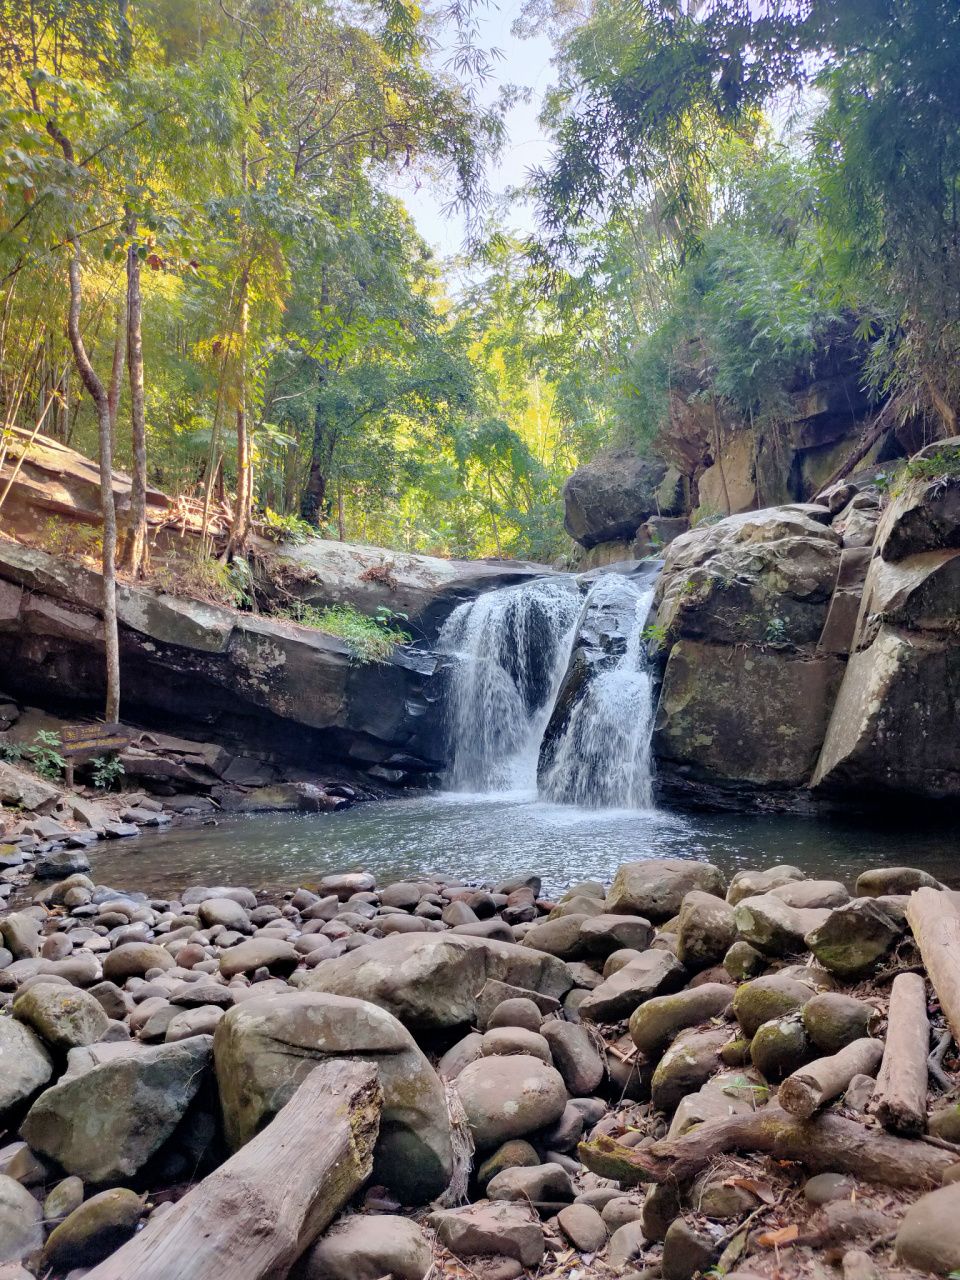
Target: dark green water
488, 837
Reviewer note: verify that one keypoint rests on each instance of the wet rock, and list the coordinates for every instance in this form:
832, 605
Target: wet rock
500, 1228
749, 884
65, 1017
686, 1251
134, 959
575, 1056
94, 1230
437, 980
832, 1020
21, 1230
743, 961
779, 1047
805, 895
544, 1182
654, 1024
65, 862
656, 888
25, 1067
63, 1199
604, 934
705, 930
509, 1098
824, 1187
264, 1048
854, 937
502, 1041
515, 1154
112, 1110
625, 1243
368, 1247
653, 973
693, 1057
768, 997
583, 1227
768, 924
880, 881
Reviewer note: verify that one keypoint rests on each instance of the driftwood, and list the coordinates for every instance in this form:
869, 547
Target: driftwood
900, 1100
818, 1083
935, 922
826, 1144
253, 1217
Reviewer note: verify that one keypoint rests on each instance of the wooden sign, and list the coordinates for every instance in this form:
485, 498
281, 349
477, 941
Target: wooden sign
92, 739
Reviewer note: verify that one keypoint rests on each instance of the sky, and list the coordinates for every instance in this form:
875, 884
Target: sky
525, 63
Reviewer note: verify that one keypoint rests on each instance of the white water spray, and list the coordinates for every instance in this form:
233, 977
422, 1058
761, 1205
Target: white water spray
509, 650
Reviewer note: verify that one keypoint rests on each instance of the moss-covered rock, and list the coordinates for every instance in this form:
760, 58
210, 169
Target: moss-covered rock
772, 996
94, 1230
780, 1047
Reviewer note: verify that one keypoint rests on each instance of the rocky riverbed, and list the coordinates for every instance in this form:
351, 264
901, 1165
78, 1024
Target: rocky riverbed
616, 1083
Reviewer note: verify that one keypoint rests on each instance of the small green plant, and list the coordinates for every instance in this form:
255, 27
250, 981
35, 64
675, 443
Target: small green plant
64, 538
881, 482
196, 574
106, 770
776, 631
11, 750
654, 636
370, 639
288, 528
943, 465
45, 755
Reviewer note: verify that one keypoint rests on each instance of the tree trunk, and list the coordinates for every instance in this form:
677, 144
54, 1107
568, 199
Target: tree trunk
255, 1215
900, 1100
241, 517
826, 1144
135, 545
341, 522
116, 371
818, 1083
98, 394
935, 922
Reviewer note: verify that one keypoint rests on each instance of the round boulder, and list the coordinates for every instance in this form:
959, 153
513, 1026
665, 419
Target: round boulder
65, 1017
705, 930
509, 1097
832, 1020
769, 997
134, 959
94, 1230
515, 1040
368, 1247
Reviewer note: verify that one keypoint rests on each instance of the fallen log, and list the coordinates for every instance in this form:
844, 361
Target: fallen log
935, 922
826, 1144
900, 1100
253, 1217
818, 1083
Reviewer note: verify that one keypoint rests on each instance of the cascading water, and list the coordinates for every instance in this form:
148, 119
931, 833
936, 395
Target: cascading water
509, 651
516, 697
597, 750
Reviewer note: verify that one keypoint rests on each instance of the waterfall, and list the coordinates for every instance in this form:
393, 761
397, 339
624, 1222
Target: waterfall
508, 651
598, 754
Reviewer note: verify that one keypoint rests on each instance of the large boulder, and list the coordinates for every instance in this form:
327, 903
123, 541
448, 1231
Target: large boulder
65, 1017
112, 1110
854, 937
764, 577
431, 981
509, 1097
265, 1047
500, 1228
366, 1247
25, 1066
656, 888
925, 514
609, 498
652, 973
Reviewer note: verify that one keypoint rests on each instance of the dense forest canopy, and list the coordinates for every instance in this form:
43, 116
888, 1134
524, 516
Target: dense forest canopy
197, 219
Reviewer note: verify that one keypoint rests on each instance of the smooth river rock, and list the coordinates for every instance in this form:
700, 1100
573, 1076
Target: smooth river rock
265, 1047
509, 1097
656, 888
25, 1066
366, 1247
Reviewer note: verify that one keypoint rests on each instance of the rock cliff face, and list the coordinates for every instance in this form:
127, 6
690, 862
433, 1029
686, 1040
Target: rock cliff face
813, 656
212, 673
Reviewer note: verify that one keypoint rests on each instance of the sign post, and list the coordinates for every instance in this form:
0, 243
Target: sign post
79, 742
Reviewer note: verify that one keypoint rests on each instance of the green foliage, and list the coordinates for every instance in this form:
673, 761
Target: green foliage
287, 528
943, 464
12, 751
45, 755
370, 639
106, 771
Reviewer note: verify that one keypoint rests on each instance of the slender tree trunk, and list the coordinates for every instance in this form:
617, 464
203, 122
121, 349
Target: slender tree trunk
135, 545
341, 524
98, 394
116, 370
241, 517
